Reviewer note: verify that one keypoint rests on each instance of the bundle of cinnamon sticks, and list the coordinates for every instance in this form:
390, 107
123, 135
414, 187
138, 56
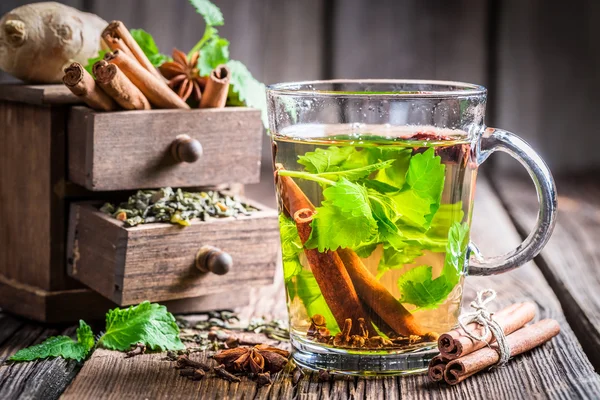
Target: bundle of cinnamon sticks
461, 356
126, 79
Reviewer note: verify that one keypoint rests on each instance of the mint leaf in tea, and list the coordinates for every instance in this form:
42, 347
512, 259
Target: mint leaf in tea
374, 236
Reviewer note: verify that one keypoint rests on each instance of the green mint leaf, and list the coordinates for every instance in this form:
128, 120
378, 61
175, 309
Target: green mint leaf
147, 323
210, 12
291, 268
384, 211
291, 247
366, 250
379, 186
344, 218
444, 218
214, 53
149, 47
92, 61
304, 285
456, 250
355, 174
396, 175
325, 160
413, 209
416, 237
85, 336
396, 258
418, 288
425, 176
247, 90
60, 346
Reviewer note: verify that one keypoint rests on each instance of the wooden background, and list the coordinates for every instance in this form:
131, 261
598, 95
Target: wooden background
540, 59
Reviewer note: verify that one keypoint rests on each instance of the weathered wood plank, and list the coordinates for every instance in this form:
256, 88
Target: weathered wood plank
107, 151
571, 260
25, 190
558, 369
156, 261
38, 94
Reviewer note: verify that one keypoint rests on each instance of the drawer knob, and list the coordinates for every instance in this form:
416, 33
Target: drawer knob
213, 259
186, 149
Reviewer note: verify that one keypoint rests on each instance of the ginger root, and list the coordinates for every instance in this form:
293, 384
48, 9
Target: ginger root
37, 41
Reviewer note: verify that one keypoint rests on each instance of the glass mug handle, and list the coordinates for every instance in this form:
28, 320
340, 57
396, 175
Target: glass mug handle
500, 140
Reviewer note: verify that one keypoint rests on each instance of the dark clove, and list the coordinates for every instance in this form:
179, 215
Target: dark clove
184, 362
232, 342
137, 349
297, 375
223, 373
323, 375
193, 374
263, 379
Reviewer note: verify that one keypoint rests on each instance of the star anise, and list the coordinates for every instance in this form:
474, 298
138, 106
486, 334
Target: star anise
257, 359
183, 75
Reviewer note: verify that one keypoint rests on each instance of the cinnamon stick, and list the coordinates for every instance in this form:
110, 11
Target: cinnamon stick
115, 43
332, 278
437, 366
82, 84
217, 88
379, 299
114, 82
456, 343
117, 30
156, 91
520, 341
292, 197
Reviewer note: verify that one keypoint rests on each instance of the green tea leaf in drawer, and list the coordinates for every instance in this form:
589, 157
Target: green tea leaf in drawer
147, 323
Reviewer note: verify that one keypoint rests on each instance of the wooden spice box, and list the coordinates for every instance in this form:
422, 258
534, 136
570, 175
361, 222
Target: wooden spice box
123, 264
131, 149
62, 259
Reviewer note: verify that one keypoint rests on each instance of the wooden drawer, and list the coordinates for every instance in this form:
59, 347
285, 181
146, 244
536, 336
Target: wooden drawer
132, 149
156, 261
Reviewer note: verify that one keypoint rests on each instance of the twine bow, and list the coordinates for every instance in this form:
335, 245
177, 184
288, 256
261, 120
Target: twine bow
483, 317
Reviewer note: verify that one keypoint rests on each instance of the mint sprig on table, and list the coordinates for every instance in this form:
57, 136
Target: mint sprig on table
60, 346
385, 196
147, 323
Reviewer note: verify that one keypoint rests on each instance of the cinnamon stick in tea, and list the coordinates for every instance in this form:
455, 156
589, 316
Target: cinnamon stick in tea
292, 197
82, 84
217, 88
379, 299
117, 30
437, 366
456, 343
520, 341
114, 82
332, 278
156, 91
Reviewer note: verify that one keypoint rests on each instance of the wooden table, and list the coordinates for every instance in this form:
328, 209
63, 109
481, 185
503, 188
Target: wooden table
563, 281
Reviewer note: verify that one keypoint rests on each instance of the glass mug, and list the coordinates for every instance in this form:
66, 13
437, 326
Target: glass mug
375, 183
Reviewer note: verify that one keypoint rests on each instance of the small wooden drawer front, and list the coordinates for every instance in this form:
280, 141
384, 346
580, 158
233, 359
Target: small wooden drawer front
156, 261
133, 149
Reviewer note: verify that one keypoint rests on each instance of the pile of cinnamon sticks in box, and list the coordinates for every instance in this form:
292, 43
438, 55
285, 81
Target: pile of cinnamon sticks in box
461, 356
126, 79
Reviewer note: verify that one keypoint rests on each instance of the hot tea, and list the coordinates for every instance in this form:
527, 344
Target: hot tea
374, 233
